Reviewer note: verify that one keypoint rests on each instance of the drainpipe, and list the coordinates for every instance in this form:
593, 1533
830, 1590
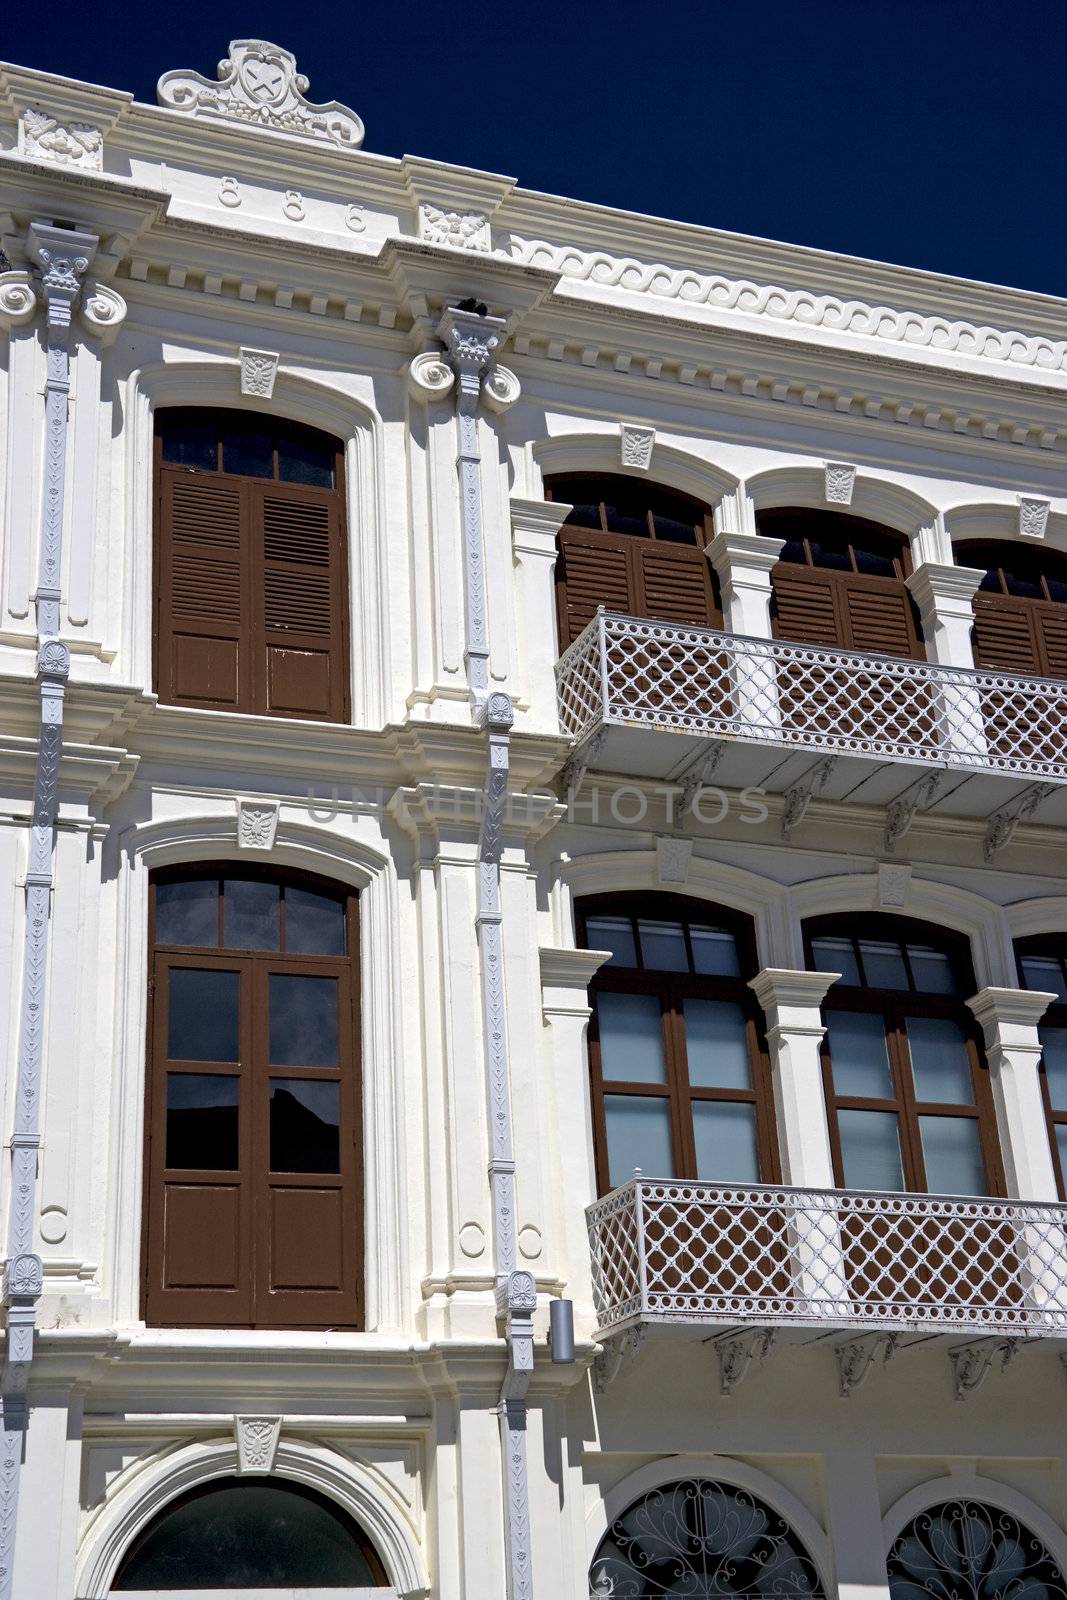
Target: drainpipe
63, 256
471, 339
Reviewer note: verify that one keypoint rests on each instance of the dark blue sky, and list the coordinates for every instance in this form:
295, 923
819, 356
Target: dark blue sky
929, 132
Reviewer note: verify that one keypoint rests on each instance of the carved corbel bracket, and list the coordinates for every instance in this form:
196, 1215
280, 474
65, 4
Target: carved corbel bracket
972, 1363
699, 774
919, 796
800, 796
617, 1352
579, 763
856, 1358
736, 1352
1004, 824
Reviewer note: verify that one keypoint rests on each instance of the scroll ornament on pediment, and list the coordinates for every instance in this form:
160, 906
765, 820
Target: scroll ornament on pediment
258, 84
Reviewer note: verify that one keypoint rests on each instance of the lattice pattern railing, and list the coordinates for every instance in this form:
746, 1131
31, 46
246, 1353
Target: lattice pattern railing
629, 670
710, 1253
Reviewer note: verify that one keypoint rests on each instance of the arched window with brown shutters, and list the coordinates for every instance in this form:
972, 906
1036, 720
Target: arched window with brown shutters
251, 607
631, 547
253, 1185
1020, 609
680, 1079
840, 581
1043, 967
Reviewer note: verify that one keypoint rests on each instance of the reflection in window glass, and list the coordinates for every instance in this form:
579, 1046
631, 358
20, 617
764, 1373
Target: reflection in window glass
663, 946
614, 934
1061, 1146
883, 965
1045, 974
305, 1125
836, 955
303, 459
859, 1055
250, 914
202, 1014
714, 953
870, 1150
303, 1021
188, 442
932, 970
202, 1111
953, 1155
314, 923
631, 1038
248, 450
725, 1137
716, 1045
940, 1061
187, 912
639, 1136
1054, 1048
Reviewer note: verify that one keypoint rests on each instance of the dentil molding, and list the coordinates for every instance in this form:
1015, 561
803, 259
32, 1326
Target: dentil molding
258, 85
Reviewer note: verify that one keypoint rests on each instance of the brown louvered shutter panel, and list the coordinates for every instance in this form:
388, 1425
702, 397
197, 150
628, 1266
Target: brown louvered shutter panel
204, 579
879, 617
1004, 638
804, 609
298, 530
1053, 626
675, 585
593, 570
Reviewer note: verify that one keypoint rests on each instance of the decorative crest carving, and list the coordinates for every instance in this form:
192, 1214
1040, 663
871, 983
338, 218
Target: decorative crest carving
894, 884
23, 1278
44, 137
259, 368
1033, 516
257, 1442
840, 482
672, 859
636, 445
258, 84
464, 230
257, 825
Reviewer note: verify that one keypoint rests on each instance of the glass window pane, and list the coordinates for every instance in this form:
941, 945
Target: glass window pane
639, 1135
837, 955
250, 914
305, 1125
716, 1042
883, 965
314, 923
1061, 1145
940, 1060
671, 531
663, 946
631, 1038
1045, 973
614, 934
303, 1021
874, 561
832, 556
304, 459
190, 442
870, 1150
1024, 584
202, 1121
1054, 1046
859, 1054
1057, 589
725, 1136
715, 952
932, 970
248, 449
187, 912
202, 1014
953, 1155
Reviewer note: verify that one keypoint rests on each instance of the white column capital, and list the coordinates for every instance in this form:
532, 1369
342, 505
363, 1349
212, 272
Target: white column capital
535, 525
743, 563
566, 976
1009, 1017
795, 1027
791, 1000
944, 588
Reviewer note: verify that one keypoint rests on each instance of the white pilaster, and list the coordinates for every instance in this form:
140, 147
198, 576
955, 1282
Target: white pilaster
795, 1027
945, 597
1009, 1019
535, 526
855, 1525
743, 563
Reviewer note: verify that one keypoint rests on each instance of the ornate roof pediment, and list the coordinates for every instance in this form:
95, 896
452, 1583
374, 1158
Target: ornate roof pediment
258, 84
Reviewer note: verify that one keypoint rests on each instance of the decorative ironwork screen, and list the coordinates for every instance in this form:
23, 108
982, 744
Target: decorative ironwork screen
963, 1550
630, 670
708, 1541
679, 1251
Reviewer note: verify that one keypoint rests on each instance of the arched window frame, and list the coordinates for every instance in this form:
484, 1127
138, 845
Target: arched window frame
1051, 947
345, 1307
893, 1005
260, 644
672, 988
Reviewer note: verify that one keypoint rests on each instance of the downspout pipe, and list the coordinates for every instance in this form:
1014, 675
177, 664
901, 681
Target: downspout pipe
472, 340
63, 256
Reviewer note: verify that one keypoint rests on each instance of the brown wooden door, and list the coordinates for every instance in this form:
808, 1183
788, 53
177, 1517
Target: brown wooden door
253, 1171
251, 610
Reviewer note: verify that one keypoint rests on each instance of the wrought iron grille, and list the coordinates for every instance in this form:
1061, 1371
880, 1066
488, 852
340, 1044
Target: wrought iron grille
629, 670
964, 1550
706, 1540
680, 1251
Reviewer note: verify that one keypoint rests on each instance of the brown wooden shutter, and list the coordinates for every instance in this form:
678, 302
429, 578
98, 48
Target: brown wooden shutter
203, 633
1004, 636
675, 585
804, 609
1053, 628
879, 617
302, 605
593, 570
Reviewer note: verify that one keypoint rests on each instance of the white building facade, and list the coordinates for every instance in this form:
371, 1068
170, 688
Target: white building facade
534, 774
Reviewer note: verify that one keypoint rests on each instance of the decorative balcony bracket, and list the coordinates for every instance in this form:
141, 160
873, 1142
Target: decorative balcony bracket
856, 1358
971, 1363
700, 773
800, 796
576, 768
610, 1362
920, 796
1003, 824
737, 1351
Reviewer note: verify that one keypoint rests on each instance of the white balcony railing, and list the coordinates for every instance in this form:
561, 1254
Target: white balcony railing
704, 1253
631, 671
